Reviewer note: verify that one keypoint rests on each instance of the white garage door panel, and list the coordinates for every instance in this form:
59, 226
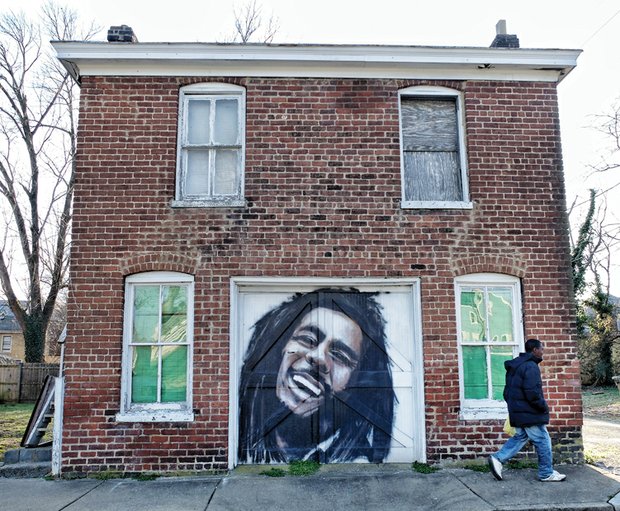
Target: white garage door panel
309, 371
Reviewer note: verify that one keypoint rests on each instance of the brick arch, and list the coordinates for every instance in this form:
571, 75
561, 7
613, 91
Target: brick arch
489, 264
139, 263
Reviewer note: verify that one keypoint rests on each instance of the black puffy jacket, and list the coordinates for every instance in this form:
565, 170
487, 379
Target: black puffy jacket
523, 392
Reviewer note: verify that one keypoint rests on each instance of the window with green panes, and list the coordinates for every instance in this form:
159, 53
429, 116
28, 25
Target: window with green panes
159, 343
488, 336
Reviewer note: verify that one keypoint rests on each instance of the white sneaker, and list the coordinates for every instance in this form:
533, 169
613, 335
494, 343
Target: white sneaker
555, 477
496, 467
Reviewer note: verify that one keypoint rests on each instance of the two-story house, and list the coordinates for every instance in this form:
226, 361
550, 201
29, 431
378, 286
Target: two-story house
12, 345
320, 252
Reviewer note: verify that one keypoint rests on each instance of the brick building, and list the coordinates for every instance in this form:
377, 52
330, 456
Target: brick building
312, 252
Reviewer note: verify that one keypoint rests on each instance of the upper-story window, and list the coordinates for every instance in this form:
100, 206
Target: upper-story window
433, 158
490, 331
211, 146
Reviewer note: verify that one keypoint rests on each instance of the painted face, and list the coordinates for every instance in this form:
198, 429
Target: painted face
319, 358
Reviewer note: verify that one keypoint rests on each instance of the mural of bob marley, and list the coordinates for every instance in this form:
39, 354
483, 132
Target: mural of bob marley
316, 382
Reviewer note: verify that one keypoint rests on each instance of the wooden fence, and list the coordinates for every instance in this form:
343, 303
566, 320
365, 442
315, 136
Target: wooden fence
22, 382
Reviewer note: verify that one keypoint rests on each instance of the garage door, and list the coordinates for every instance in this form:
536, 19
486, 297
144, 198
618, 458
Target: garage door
329, 373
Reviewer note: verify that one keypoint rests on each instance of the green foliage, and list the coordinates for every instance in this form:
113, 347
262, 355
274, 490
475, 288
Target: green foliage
584, 240
521, 464
423, 468
596, 315
105, 475
274, 472
477, 467
602, 402
146, 476
303, 467
13, 422
599, 352
590, 458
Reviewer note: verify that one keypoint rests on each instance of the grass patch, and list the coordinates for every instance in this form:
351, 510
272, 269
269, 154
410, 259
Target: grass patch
601, 401
591, 457
13, 422
145, 476
105, 475
303, 467
423, 468
521, 464
477, 467
274, 472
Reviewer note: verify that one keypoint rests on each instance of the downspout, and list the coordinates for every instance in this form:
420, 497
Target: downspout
59, 393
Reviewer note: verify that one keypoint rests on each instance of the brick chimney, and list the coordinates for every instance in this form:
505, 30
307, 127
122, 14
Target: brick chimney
122, 34
502, 39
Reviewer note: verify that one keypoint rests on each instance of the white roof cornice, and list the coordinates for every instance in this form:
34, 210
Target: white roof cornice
325, 61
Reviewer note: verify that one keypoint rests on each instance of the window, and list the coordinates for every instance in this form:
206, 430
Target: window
433, 159
489, 332
7, 342
157, 347
211, 146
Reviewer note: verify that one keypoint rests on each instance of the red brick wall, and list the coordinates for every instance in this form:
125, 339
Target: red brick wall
323, 187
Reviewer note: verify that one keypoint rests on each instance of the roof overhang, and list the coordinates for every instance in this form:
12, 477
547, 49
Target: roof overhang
316, 61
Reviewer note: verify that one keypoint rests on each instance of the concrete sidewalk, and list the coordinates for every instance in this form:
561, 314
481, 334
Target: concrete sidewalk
341, 487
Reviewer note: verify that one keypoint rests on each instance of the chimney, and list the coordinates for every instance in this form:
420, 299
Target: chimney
122, 34
502, 39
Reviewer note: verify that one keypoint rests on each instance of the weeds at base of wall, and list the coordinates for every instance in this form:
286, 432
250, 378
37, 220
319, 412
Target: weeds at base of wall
105, 475
295, 468
274, 472
303, 468
511, 465
477, 467
424, 468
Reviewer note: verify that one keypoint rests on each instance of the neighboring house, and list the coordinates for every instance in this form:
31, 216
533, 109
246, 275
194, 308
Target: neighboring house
11, 334
312, 251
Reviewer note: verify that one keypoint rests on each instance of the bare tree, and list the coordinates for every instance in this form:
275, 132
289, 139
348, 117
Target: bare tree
249, 21
38, 122
609, 125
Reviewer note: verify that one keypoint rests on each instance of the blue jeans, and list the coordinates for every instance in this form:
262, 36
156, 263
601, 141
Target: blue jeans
539, 436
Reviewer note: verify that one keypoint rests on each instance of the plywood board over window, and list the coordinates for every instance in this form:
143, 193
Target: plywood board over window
434, 163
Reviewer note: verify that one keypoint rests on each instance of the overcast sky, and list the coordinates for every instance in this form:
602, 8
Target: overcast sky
593, 26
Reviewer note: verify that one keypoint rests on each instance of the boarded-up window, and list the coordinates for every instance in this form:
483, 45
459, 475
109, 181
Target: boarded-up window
430, 138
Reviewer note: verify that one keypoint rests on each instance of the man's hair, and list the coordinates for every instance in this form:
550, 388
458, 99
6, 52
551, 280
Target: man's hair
530, 344
365, 409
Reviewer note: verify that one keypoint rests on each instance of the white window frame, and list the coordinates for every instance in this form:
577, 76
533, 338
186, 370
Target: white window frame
208, 91
4, 343
438, 92
473, 409
155, 412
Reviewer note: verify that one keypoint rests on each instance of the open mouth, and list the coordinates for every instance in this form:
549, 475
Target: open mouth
305, 383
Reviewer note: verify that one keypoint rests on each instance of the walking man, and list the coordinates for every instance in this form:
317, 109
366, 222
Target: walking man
528, 412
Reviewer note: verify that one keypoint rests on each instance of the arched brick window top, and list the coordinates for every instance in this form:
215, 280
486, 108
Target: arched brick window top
140, 263
510, 266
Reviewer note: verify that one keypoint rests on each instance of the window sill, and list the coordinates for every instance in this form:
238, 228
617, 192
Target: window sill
155, 416
232, 202
407, 204
479, 414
